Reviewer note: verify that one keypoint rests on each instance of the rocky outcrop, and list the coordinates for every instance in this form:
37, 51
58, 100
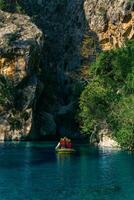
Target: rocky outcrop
113, 21
106, 140
102, 136
20, 48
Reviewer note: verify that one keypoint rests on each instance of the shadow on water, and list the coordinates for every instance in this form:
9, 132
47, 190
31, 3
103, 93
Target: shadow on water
18, 154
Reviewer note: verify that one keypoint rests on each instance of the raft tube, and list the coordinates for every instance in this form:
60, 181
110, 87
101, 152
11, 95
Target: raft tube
65, 150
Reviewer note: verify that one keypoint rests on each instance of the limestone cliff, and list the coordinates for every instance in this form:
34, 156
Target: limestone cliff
20, 49
112, 20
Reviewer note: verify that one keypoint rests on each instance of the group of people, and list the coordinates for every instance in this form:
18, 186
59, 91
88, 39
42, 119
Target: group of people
64, 143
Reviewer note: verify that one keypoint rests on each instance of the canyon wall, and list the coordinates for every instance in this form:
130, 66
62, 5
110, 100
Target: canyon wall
74, 33
113, 21
20, 49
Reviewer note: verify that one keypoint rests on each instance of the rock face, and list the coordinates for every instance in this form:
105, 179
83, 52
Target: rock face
47, 124
107, 141
63, 24
20, 49
102, 136
113, 21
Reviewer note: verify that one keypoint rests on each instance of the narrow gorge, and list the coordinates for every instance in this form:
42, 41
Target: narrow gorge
46, 48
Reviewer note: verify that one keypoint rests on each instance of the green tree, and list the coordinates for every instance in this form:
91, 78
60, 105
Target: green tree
109, 95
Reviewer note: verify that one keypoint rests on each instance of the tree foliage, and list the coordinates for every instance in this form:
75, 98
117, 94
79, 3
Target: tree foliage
109, 95
11, 6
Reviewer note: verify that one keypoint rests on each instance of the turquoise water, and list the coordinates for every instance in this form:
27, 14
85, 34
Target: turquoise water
32, 171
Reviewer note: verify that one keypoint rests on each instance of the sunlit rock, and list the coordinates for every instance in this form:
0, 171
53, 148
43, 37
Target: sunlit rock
20, 48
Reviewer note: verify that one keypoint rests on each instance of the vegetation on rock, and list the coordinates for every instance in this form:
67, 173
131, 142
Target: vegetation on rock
8, 5
109, 95
6, 90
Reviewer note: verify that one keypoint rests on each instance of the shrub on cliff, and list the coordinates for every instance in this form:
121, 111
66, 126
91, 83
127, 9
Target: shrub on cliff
2, 4
109, 95
6, 91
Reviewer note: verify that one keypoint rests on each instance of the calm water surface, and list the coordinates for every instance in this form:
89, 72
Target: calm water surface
32, 171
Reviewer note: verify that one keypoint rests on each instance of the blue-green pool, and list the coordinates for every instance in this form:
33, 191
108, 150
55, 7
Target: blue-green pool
32, 171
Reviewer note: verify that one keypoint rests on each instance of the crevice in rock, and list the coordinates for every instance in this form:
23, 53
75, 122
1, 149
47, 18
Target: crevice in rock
127, 18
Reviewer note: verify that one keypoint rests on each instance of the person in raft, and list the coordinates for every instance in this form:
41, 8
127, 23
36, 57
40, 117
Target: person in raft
68, 143
64, 143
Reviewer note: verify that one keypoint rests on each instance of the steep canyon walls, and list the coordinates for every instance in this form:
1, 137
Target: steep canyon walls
47, 56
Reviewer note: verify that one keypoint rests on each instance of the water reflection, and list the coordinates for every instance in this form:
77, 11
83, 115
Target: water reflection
63, 158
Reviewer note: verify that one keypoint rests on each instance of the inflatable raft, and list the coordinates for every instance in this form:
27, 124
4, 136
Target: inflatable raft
65, 150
